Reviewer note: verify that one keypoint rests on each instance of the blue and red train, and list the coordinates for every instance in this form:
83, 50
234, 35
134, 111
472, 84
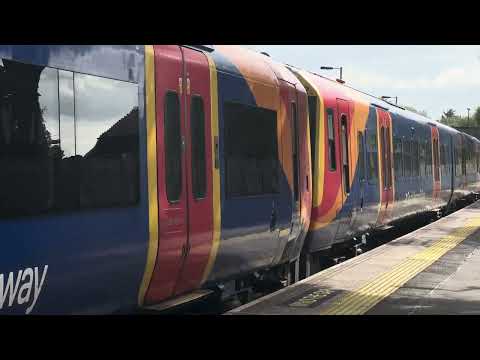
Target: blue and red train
134, 175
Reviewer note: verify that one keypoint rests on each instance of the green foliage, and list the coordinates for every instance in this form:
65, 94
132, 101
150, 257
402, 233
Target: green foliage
451, 119
476, 117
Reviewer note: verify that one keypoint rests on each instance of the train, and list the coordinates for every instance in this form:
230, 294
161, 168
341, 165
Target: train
140, 176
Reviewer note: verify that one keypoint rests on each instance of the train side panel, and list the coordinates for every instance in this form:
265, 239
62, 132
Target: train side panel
73, 189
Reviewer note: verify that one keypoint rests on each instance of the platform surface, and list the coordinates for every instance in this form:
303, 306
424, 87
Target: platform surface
433, 270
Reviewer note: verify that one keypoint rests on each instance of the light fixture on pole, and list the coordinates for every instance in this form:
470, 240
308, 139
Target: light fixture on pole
335, 68
390, 97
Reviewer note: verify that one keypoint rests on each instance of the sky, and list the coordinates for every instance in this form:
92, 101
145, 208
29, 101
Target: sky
432, 78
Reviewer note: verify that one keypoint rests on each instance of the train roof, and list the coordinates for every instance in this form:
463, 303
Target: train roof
369, 99
260, 67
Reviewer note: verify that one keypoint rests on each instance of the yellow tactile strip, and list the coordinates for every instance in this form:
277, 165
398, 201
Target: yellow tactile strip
363, 299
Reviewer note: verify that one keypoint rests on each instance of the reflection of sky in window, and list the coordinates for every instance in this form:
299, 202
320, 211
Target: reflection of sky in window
48, 100
67, 127
99, 104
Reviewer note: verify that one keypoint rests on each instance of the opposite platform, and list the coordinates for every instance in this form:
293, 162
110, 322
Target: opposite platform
433, 270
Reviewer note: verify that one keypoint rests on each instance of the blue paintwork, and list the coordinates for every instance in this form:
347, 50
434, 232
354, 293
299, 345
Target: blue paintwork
96, 258
246, 241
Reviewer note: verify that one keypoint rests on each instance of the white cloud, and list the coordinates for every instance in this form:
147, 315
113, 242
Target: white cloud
446, 79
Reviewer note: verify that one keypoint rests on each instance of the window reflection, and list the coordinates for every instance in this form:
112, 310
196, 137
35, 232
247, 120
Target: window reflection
67, 108
48, 98
106, 117
29, 123
66, 140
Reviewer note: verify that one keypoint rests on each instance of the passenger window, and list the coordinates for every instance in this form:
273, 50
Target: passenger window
67, 140
106, 120
197, 128
361, 161
421, 158
173, 147
389, 157
428, 158
372, 156
251, 154
331, 141
415, 158
435, 160
407, 158
67, 115
28, 138
68, 169
384, 158
345, 159
397, 146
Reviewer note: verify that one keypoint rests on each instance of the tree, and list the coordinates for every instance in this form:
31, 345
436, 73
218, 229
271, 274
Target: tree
449, 118
476, 116
450, 113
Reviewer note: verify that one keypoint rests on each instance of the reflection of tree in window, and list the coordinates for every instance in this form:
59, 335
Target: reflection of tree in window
106, 119
28, 126
40, 171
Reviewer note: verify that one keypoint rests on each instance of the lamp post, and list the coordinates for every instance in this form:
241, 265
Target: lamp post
334, 68
391, 97
468, 117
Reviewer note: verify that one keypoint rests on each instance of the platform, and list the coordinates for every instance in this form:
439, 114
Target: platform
433, 270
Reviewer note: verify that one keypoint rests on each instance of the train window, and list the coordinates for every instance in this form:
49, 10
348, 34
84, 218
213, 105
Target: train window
106, 120
407, 158
312, 118
397, 148
428, 158
65, 142
442, 157
372, 156
435, 160
295, 150
67, 112
251, 155
459, 160
477, 158
415, 158
389, 157
361, 161
29, 138
173, 146
331, 141
421, 158
345, 159
197, 128
384, 156
68, 172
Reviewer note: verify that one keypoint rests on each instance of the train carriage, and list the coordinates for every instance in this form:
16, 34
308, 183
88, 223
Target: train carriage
133, 176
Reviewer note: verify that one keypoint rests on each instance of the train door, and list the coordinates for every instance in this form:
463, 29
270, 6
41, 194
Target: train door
184, 208
198, 166
361, 168
294, 126
385, 149
345, 126
290, 139
435, 162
